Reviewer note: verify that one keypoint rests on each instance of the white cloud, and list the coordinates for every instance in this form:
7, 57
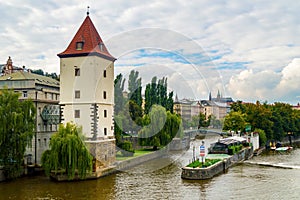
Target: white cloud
255, 39
267, 85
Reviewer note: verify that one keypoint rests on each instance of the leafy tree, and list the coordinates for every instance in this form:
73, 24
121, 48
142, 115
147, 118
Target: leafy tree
238, 106
150, 95
68, 153
119, 88
118, 108
156, 93
135, 88
234, 121
216, 123
52, 75
276, 120
17, 122
170, 102
37, 71
42, 73
160, 128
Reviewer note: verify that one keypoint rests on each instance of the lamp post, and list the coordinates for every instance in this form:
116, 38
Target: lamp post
194, 153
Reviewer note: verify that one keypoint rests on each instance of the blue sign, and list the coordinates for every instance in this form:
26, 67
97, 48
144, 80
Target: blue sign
202, 150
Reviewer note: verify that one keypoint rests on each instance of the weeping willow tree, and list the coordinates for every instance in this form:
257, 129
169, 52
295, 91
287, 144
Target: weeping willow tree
17, 122
68, 153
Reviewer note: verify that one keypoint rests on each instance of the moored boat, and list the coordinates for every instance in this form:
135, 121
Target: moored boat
283, 149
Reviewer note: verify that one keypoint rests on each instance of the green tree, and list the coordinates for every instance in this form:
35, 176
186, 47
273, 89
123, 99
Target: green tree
118, 107
17, 122
68, 153
160, 128
118, 92
37, 71
156, 93
216, 123
135, 88
276, 120
234, 121
238, 106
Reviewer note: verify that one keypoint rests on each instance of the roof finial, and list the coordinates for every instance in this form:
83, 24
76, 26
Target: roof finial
88, 11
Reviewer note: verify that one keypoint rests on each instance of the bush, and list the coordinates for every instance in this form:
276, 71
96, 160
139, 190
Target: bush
127, 149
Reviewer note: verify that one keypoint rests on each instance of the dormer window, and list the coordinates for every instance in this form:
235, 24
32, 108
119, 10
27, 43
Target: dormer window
101, 46
79, 45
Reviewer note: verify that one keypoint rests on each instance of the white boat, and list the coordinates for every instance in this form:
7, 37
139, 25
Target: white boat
282, 149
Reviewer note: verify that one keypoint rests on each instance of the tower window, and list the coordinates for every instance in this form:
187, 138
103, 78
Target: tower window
105, 113
77, 94
79, 45
105, 131
77, 72
104, 73
104, 94
77, 114
25, 94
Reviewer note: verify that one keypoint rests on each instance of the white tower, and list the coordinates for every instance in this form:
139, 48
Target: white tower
87, 90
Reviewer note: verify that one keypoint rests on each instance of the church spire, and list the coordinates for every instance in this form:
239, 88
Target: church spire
219, 95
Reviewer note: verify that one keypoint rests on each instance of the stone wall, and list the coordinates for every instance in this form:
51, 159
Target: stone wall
126, 164
178, 144
104, 151
209, 172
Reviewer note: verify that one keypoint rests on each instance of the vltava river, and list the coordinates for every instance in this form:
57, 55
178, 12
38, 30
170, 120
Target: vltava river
160, 179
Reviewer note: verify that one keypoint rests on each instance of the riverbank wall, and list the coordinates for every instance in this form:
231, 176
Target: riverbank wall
217, 168
119, 166
132, 162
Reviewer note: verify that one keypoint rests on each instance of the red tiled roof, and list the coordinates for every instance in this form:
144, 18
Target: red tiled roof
91, 39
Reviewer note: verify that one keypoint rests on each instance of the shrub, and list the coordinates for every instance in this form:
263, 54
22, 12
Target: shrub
127, 149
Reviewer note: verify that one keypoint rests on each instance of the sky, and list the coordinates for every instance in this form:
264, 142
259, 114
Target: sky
248, 50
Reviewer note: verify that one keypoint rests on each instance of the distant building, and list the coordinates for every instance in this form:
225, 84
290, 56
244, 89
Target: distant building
44, 92
8, 68
218, 107
87, 91
221, 99
186, 108
296, 107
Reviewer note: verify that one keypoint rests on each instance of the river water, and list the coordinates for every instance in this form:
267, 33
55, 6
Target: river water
160, 179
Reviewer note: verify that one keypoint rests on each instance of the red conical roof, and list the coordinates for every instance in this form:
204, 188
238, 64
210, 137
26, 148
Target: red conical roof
90, 40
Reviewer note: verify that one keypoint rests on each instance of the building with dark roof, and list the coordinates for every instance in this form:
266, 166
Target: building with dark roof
44, 92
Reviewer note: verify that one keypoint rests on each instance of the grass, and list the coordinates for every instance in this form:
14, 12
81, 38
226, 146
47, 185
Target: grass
137, 153
207, 163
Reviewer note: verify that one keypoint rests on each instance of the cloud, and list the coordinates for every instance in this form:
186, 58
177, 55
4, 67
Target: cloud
242, 38
267, 85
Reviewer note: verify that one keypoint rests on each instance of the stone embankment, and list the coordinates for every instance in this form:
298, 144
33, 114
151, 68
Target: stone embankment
119, 166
